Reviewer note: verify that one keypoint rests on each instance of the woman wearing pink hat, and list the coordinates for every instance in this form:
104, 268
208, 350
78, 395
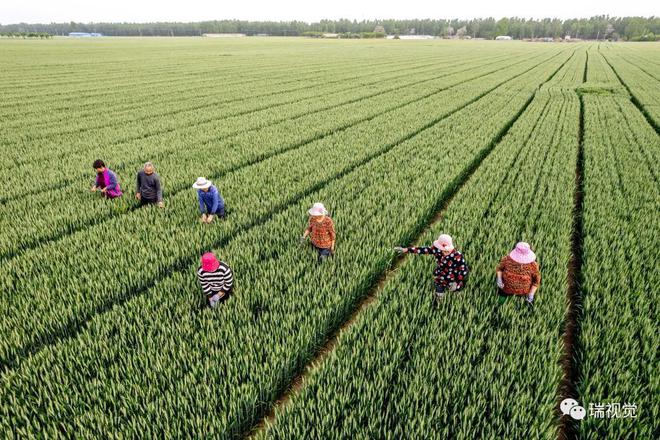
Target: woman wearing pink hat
216, 279
452, 270
518, 274
321, 231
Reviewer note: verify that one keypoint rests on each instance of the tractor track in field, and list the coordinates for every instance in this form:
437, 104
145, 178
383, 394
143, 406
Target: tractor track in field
569, 428
207, 120
19, 196
313, 81
445, 199
108, 90
57, 236
315, 75
71, 329
633, 98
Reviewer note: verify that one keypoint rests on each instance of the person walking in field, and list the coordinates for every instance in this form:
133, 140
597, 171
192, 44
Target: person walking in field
452, 269
216, 279
321, 231
518, 274
106, 181
211, 202
148, 190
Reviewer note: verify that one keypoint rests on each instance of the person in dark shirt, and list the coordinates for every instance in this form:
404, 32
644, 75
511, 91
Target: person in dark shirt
452, 270
148, 190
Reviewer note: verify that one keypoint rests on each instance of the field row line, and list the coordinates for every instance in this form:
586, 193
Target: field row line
77, 324
200, 83
155, 88
67, 181
444, 200
156, 81
314, 80
633, 98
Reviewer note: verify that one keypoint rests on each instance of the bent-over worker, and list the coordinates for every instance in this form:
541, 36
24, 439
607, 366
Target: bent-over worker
216, 279
211, 202
518, 274
106, 181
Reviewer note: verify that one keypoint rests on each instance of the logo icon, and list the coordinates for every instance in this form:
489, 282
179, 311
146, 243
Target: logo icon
572, 408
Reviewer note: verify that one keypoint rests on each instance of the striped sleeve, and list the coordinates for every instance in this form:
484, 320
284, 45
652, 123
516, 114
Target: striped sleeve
204, 281
213, 282
226, 276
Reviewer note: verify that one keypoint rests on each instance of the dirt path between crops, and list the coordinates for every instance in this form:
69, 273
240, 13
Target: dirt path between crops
453, 189
568, 428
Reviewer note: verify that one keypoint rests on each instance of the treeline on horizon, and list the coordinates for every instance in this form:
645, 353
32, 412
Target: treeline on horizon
598, 27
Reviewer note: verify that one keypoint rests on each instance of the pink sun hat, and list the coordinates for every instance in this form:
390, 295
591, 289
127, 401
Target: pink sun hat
522, 253
317, 209
209, 262
444, 243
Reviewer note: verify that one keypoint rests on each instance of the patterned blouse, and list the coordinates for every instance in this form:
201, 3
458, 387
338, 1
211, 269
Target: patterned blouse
519, 278
321, 233
452, 268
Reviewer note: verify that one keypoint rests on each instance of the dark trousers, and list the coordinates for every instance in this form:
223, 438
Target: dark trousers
220, 212
323, 253
145, 202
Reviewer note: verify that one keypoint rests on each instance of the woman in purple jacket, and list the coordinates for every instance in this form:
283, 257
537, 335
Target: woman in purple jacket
106, 181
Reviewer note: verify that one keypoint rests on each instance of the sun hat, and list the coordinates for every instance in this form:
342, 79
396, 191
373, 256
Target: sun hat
209, 262
201, 183
317, 209
522, 253
444, 243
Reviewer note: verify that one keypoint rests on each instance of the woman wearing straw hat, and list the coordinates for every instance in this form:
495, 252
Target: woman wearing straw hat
106, 181
452, 270
216, 279
518, 274
211, 202
321, 231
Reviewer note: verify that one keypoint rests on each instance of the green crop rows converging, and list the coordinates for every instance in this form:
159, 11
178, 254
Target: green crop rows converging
101, 332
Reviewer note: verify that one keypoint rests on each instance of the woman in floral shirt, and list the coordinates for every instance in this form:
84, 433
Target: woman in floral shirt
452, 270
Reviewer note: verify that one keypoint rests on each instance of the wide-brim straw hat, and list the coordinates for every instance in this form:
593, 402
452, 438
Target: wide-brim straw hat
201, 183
522, 253
444, 243
210, 262
317, 209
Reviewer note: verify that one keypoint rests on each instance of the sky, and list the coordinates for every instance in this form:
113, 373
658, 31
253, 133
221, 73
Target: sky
47, 11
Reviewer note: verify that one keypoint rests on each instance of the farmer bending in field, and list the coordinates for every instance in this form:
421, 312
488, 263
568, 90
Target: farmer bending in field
321, 231
216, 279
148, 189
452, 270
211, 202
518, 274
106, 181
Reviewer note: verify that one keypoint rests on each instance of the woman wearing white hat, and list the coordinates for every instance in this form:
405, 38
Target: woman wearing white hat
321, 231
452, 270
211, 202
518, 274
